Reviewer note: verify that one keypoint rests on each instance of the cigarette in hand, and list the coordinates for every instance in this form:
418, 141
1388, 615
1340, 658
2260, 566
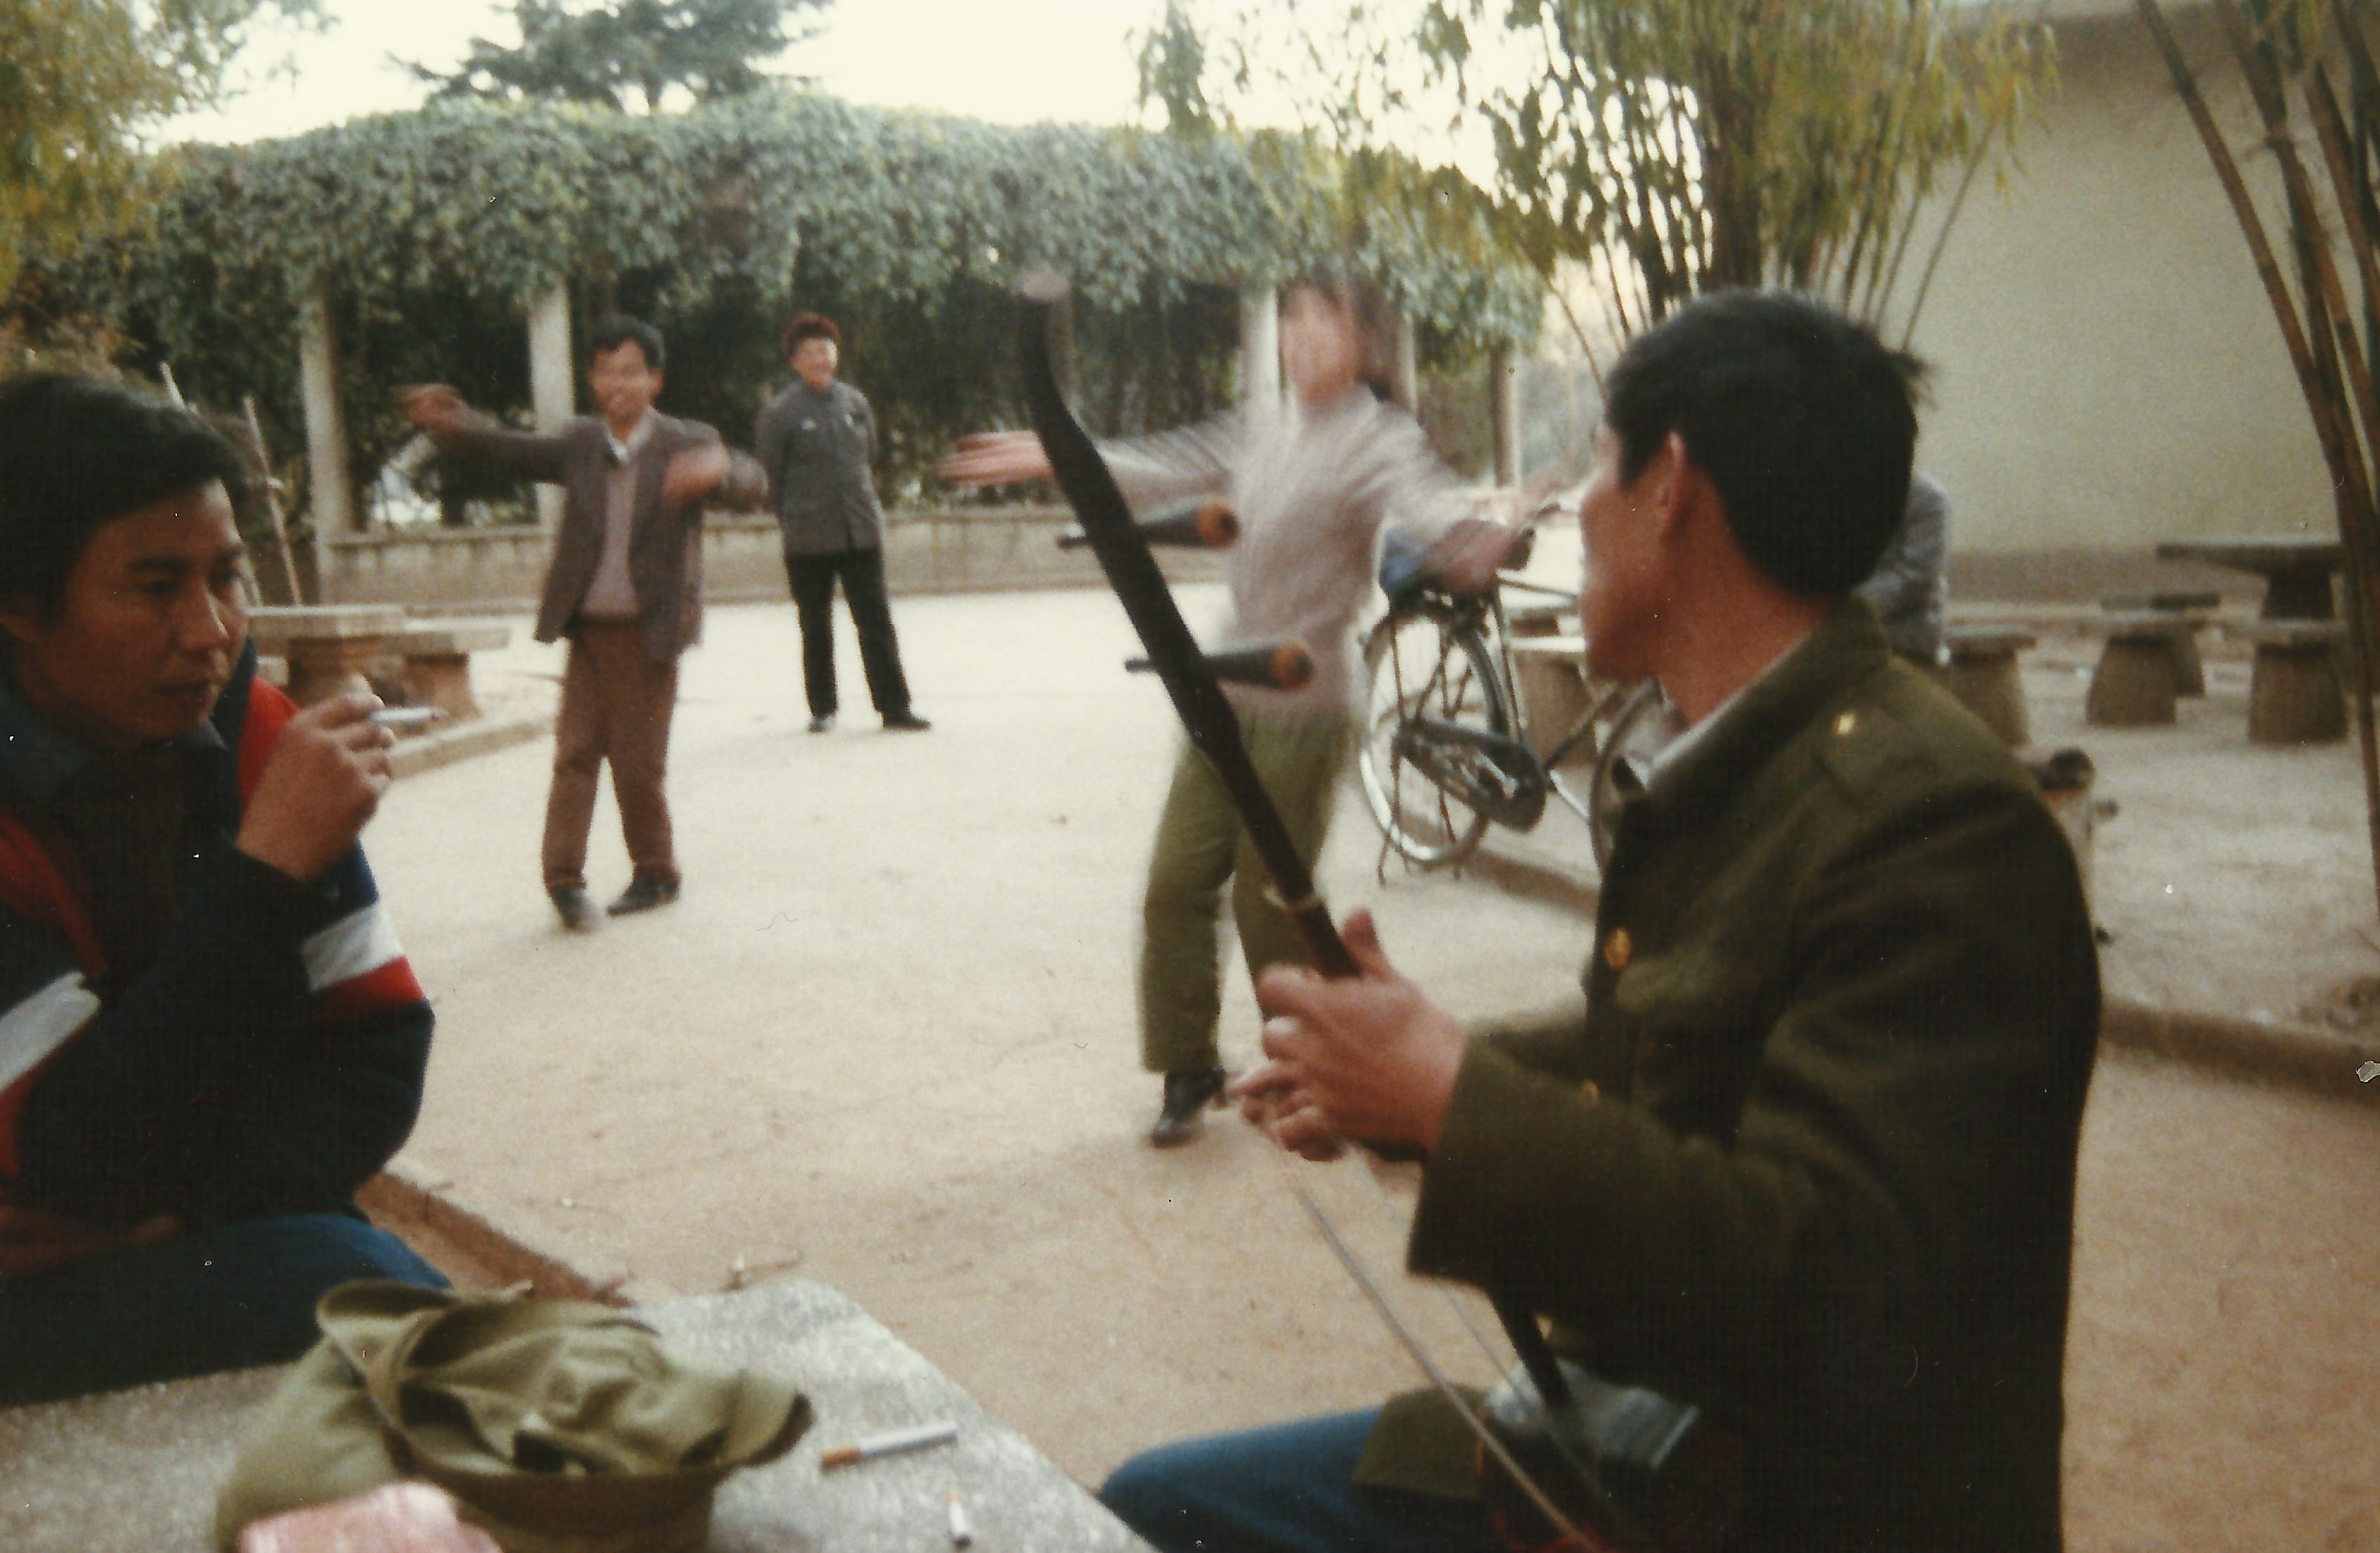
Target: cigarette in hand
407, 717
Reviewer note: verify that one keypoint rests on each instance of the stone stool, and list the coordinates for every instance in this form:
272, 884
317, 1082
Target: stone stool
1980, 669
2294, 693
2189, 669
2138, 676
1551, 675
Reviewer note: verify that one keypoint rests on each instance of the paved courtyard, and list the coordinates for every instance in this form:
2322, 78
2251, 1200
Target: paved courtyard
886, 1041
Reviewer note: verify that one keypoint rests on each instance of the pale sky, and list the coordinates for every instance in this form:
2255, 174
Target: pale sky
1006, 61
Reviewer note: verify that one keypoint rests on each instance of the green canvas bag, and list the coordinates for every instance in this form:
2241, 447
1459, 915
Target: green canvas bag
559, 1426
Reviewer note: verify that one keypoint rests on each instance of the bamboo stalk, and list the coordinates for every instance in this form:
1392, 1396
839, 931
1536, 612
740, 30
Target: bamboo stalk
2346, 473
271, 499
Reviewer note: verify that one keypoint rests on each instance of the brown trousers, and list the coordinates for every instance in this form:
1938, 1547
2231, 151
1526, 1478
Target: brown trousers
615, 706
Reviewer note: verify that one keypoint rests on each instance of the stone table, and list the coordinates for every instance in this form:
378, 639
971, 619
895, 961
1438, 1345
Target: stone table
2297, 569
140, 1469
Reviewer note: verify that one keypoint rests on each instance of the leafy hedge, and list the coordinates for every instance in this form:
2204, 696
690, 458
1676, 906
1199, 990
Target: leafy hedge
434, 228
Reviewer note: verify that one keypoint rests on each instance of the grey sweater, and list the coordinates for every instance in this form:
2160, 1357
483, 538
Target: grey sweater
1313, 493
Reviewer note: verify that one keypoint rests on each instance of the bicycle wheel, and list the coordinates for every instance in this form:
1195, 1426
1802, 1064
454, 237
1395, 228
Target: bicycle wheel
1639, 728
1423, 666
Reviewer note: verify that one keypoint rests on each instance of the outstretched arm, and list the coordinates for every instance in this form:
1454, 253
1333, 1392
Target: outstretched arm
989, 458
462, 432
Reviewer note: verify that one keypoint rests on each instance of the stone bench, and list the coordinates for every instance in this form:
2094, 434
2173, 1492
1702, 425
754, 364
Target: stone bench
2189, 669
326, 646
141, 1469
1551, 674
2139, 675
1979, 667
432, 663
2295, 693
1546, 617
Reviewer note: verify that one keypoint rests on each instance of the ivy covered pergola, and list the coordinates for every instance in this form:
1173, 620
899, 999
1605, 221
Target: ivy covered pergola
413, 246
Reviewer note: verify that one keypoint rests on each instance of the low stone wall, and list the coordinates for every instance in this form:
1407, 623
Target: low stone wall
926, 551
982, 548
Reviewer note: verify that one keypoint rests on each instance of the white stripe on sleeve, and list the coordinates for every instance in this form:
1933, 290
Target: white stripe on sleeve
40, 1024
355, 945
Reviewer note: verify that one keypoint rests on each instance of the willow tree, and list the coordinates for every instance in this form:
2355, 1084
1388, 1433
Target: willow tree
1672, 146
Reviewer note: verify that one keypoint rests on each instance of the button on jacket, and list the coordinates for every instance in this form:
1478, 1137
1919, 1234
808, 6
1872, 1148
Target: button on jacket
1809, 1159
816, 448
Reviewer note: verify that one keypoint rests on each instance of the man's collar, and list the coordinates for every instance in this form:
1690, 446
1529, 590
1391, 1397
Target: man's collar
1778, 702
626, 452
36, 758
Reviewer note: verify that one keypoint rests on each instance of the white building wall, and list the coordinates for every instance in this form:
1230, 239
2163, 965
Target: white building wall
2109, 373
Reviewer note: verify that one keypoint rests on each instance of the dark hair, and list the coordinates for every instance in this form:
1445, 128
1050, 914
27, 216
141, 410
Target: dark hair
614, 329
810, 326
75, 454
1363, 299
1802, 420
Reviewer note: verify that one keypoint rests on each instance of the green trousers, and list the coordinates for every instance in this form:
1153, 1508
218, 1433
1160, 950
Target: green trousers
1200, 846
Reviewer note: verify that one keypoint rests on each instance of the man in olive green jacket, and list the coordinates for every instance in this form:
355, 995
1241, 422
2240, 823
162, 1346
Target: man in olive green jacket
1807, 1160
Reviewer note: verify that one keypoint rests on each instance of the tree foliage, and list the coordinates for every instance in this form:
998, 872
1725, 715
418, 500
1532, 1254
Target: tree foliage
1676, 146
1745, 143
629, 53
432, 231
80, 79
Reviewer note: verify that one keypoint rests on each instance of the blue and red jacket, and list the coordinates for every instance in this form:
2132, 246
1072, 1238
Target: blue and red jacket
268, 1060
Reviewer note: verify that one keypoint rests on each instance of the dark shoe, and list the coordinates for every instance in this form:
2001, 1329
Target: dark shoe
1187, 1095
643, 895
576, 911
904, 723
822, 724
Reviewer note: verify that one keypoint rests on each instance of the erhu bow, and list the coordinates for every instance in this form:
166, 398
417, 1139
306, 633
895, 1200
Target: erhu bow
1123, 554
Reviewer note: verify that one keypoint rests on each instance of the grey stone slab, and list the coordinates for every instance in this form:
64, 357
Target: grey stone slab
865, 1381
140, 1469
135, 1469
277, 626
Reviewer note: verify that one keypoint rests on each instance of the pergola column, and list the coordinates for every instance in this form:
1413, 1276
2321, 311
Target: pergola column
552, 391
330, 478
1504, 413
1405, 370
1260, 345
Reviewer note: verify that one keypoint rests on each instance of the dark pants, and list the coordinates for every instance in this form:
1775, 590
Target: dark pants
222, 1299
812, 579
616, 704
1285, 1490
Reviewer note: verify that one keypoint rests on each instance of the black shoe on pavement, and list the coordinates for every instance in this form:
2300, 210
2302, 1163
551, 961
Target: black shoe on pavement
577, 912
1187, 1095
643, 895
904, 723
822, 724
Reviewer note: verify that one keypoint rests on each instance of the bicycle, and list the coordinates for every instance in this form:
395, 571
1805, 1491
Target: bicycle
1445, 752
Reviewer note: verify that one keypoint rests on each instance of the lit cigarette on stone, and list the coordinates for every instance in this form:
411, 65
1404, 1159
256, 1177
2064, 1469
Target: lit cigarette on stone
890, 1443
962, 1534
407, 717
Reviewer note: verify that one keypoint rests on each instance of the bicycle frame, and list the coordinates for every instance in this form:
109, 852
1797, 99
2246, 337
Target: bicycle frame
1487, 763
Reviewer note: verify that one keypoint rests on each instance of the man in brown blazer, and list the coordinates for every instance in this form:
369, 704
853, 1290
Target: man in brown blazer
625, 585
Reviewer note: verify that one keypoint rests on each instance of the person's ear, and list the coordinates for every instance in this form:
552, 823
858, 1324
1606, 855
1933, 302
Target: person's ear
1662, 484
